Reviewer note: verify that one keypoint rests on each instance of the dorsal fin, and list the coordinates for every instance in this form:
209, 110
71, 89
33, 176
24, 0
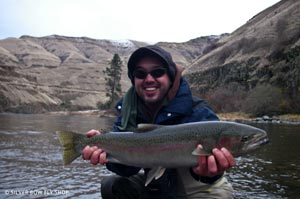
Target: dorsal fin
143, 128
103, 131
154, 173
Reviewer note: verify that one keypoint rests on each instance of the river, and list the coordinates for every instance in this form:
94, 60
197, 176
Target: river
31, 162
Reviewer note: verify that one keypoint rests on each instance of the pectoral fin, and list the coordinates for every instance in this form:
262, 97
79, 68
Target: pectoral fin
112, 159
154, 173
199, 151
143, 128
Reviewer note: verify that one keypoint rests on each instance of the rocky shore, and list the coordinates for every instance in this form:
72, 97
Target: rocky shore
285, 119
97, 113
275, 119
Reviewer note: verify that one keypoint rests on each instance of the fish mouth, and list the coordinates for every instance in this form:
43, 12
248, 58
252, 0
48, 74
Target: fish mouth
257, 142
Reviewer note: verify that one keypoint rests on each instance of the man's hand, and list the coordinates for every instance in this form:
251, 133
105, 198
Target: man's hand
215, 164
94, 154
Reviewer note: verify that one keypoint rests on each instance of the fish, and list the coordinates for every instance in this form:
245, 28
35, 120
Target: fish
166, 146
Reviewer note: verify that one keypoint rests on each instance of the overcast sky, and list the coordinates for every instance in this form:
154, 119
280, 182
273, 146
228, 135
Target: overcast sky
141, 20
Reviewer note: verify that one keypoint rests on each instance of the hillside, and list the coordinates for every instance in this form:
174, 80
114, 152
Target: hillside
39, 74
259, 64
255, 69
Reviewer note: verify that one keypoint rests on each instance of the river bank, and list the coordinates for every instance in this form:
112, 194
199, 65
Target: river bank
243, 117
97, 113
236, 116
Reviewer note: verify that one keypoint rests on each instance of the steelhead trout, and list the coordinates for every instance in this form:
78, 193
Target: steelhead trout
160, 147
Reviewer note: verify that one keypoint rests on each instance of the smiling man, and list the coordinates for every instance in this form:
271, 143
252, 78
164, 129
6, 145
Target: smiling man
160, 95
151, 81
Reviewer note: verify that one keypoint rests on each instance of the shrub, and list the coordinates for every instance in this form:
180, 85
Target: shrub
66, 105
4, 102
104, 105
227, 99
264, 100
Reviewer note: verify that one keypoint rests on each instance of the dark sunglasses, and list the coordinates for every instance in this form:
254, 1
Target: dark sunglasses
156, 72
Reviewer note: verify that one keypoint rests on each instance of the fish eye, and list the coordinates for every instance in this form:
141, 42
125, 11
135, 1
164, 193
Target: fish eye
245, 138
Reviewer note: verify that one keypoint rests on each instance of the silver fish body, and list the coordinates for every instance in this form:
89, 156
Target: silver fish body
167, 146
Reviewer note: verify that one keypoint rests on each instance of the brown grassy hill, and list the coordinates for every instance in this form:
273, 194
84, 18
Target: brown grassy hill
57, 72
258, 61
254, 69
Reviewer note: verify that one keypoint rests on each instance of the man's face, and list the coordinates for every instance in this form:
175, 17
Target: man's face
151, 89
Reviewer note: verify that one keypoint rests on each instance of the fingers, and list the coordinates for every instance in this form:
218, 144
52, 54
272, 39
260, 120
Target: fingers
88, 151
215, 164
229, 157
95, 157
92, 133
94, 154
102, 159
212, 166
220, 159
98, 156
207, 166
201, 168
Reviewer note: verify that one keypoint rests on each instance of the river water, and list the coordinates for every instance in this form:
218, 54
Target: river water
31, 162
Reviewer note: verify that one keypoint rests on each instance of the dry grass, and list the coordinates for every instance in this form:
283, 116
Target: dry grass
293, 117
233, 116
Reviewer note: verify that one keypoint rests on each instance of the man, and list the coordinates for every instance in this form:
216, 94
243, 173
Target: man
160, 95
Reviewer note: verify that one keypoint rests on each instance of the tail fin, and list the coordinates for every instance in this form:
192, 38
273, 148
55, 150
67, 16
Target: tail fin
71, 143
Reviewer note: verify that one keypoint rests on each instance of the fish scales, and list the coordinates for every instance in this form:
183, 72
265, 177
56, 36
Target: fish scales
149, 149
171, 146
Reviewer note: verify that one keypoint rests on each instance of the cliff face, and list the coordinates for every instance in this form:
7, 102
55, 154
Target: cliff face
263, 52
58, 72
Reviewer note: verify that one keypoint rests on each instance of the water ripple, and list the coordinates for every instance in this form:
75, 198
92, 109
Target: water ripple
30, 159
